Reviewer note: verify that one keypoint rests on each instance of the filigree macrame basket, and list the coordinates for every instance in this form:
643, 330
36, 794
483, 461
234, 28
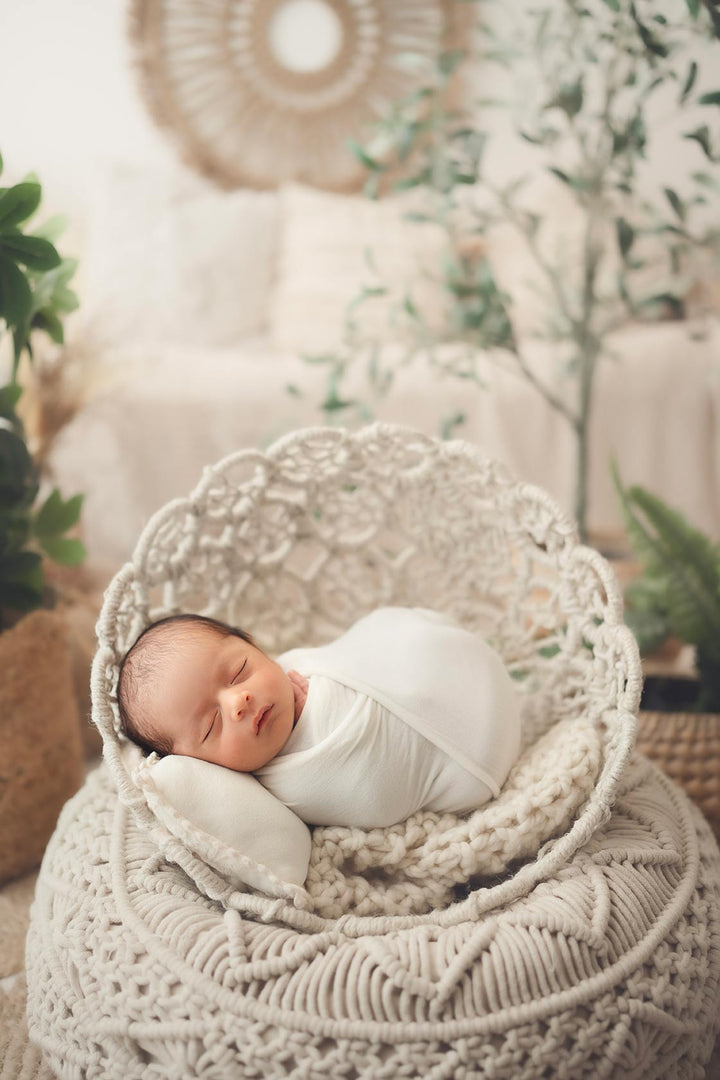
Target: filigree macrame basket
596, 955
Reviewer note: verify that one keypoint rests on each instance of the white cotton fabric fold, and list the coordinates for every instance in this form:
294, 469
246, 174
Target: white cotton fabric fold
405, 711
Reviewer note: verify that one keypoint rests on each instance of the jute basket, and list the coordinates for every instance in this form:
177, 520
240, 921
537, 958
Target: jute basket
686, 746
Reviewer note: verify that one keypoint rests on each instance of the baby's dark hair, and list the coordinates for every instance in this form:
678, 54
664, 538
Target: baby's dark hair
140, 661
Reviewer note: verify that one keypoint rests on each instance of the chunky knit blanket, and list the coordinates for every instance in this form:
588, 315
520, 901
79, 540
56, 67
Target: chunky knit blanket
575, 933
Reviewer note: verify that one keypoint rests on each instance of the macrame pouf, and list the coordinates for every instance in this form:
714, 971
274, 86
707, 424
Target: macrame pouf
596, 955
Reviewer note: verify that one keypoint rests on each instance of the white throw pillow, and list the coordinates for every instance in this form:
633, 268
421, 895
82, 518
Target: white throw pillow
172, 259
230, 820
323, 263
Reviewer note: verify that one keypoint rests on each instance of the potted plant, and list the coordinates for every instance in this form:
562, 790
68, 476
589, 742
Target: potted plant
38, 714
592, 71
677, 596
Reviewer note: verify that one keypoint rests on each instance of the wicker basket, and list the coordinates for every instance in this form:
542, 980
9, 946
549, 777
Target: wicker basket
686, 746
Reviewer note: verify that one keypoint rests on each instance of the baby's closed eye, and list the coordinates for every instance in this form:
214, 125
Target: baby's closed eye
239, 672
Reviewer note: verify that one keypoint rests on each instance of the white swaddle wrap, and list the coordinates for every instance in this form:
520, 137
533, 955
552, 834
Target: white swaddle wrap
405, 711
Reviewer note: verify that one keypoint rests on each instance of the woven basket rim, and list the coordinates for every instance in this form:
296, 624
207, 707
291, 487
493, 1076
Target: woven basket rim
553, 855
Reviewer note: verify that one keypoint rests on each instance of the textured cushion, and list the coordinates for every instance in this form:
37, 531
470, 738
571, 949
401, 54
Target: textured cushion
331, 246
243, 831
608, 967
170, 259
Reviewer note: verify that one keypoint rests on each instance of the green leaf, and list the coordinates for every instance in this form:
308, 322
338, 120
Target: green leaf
65, 299
15, 294
363, 157
20, 596
689, 81
536, 140
711, 98
560, 174
575, 182
9, 397
650, 628
57, 515
713, 11
686, 560
664, 300
676, 202
449, 61
701, 135
569, 98
30, 251
48, 321
625, 235
707, 180
450, 423
407, 182
21, 580
18, 203
371, 187
21, 341
67, 552
22, 566
649, 40
18, 476
333, 403
693, 7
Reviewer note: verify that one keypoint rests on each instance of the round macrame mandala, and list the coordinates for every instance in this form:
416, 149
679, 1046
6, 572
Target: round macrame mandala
259, 92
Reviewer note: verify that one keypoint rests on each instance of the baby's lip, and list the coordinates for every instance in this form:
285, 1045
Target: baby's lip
259, 719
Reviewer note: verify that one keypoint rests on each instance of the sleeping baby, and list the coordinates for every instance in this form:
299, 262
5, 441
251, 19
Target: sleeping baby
405, 711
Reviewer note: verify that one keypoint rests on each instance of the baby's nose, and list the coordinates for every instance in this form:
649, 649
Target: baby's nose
236, 703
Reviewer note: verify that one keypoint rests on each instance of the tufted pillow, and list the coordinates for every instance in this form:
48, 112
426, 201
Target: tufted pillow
230, 819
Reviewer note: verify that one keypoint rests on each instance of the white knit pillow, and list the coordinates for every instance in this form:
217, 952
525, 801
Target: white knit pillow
326, 242
230, 820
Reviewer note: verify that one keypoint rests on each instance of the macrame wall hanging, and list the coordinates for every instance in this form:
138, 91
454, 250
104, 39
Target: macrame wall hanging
260, 92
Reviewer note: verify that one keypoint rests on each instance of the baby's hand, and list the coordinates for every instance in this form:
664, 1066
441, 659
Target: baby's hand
300, 688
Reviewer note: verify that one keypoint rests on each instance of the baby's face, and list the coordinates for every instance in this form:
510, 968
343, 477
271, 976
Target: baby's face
222, 700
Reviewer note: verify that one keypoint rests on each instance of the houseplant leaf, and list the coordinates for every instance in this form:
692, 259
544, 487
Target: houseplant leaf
30, 251
18, 203
18, 481
57, 515
15, 294
683, 563
64, 550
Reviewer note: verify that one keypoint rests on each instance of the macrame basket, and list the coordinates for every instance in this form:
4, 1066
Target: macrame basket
594, 954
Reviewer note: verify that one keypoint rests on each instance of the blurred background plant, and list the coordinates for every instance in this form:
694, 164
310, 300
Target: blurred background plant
594, 67
677, 594
34, 296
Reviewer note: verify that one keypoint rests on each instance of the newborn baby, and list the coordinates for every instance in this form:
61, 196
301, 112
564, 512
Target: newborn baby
405, 711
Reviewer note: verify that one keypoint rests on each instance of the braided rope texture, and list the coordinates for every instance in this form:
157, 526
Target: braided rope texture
610, 969
597, 956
